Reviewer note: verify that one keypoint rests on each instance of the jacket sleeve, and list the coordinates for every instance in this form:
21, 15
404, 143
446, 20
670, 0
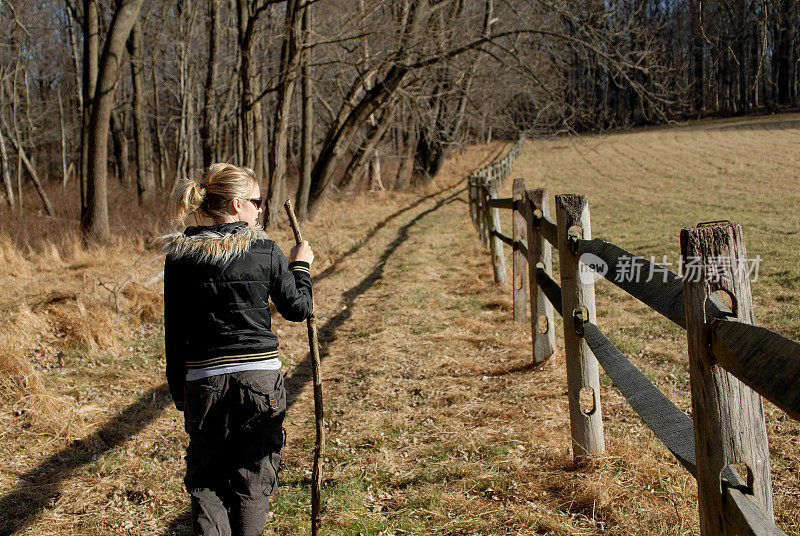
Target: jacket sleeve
175, 334
290, 287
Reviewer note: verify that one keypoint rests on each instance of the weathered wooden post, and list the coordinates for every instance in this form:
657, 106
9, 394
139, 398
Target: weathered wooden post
483, 211
540, 254
495, 244
577, 300
728, 416
519, 259
473, 199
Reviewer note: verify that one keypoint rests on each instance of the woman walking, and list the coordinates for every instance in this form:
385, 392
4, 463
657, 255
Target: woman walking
222, 356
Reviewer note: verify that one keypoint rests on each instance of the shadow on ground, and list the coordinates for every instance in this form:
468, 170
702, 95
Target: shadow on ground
330, 270
327, 333
765, 124
39, 488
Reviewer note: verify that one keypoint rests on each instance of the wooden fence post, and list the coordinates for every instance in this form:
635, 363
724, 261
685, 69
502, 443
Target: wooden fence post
473, 199
495, 244
577, 299
540, 253
483, 210
728, 416
482, 218
519, 259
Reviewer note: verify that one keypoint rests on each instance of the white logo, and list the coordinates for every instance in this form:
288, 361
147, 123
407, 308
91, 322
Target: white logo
591, 268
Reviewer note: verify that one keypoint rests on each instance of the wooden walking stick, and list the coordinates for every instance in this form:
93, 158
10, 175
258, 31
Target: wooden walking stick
319, 444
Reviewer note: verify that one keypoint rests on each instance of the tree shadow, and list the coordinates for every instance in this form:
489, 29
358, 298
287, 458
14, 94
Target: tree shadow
39, 488
327, 332
765, 124
330, 270
513, 369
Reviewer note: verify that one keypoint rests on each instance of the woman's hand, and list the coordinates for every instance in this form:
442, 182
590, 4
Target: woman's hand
302, 252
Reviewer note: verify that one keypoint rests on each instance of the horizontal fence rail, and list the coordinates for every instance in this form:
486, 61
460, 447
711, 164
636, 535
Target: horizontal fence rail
503, 202
736, 360
766, 361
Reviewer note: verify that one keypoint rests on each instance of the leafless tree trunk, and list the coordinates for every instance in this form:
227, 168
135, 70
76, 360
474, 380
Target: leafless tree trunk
208, 115
64, 173
161, 157
307, 141
365, 155
48, 207
6, 173
185, 86
72, 18
488, 21
95, 223
120, 142
406, 168
91, 47
144, 179
248, 13
290, 59
17, 138
371, 155
181, 134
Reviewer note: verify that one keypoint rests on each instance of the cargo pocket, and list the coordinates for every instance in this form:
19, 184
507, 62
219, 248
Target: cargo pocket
201, 397
263, 400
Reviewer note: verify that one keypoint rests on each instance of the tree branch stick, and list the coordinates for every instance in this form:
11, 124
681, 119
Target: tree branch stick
319, 444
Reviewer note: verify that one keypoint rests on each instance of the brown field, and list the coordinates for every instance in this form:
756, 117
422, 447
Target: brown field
437, 423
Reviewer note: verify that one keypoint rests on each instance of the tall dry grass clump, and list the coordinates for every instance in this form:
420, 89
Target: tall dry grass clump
64, 299
21, 386
10, 256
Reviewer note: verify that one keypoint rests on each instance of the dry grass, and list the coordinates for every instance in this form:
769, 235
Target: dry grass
437, 423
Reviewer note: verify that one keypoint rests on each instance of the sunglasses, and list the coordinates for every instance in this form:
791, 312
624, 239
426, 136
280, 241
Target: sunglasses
256, 201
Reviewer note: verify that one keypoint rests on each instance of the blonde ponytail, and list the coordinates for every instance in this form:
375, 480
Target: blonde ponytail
186, 198
221, 183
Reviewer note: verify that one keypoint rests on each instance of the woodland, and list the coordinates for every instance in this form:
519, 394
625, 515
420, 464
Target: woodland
336, 95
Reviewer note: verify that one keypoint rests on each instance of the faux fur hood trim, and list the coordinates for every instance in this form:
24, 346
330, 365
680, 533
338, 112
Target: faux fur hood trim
213, 244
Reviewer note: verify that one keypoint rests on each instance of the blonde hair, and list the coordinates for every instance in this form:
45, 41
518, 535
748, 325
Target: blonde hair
221, 183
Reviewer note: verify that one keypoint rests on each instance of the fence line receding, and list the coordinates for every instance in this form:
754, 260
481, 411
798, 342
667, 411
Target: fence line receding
732, 363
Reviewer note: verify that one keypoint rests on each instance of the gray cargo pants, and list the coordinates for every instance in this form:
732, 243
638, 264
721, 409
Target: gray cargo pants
234, 422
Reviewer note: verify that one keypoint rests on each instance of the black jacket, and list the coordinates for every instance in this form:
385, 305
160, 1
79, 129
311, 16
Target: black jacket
216, 283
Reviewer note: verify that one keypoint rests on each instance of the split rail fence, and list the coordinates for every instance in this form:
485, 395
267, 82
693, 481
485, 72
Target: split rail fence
732, 363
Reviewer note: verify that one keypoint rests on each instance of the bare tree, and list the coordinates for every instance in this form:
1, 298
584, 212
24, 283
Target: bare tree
144, 178
307, 143
6, 173
91, 58
94, 223
208, 113
290, 61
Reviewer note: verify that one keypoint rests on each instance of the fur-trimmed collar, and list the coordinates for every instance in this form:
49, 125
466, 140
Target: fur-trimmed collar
212, 243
